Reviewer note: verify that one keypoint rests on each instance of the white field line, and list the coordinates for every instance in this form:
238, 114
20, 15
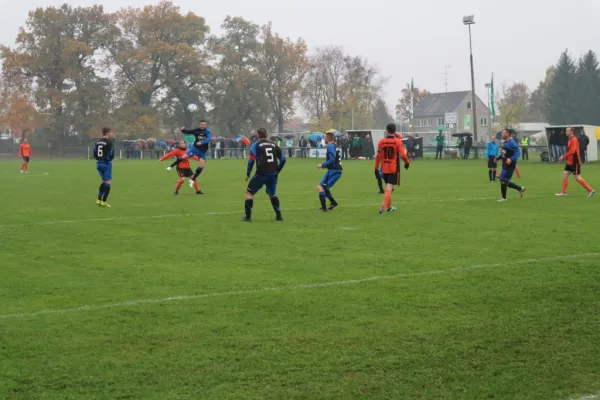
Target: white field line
589, 397
19, 176
125, 218
235, 293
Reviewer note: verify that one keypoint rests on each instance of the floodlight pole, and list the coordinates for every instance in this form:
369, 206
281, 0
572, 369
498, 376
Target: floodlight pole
470, 21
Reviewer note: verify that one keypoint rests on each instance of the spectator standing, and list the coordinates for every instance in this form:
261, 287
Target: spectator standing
439, 145
289, 143
584, 141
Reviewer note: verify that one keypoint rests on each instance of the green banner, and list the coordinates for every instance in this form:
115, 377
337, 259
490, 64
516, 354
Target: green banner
467, 121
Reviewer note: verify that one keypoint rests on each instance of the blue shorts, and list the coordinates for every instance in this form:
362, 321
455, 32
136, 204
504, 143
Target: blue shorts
330, 178
258, 181
506, 174
196, 152
105, 171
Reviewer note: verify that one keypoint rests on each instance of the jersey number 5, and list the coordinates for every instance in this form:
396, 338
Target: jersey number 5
389, 153
269, 153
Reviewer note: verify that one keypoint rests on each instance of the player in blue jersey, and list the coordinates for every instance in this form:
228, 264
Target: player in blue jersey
509, 154
104, 152
269, 161
203, 136
333, 165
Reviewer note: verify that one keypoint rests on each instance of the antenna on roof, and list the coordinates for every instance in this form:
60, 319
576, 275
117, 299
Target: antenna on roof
446, 77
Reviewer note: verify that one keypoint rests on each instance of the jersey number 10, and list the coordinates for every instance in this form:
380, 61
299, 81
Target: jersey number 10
389, 153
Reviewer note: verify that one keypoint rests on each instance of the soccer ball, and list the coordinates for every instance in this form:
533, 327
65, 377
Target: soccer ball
192, 107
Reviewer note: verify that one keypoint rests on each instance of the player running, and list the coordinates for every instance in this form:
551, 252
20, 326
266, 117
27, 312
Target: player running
203, 136
104, 152
510, 154
333, 165
389, 151
183, 166
573, 157
25, 154
269, 162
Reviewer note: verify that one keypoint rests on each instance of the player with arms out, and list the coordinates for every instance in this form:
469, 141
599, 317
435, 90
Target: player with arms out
510, 155
573, 157
25, 154
333, 165
183, 166
203, 136
104, 152
389, 151
269, 161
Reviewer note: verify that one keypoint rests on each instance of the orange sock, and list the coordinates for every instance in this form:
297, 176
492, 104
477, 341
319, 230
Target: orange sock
387, 200
179, 183
583, 183
518, 172
196, 186
565, 185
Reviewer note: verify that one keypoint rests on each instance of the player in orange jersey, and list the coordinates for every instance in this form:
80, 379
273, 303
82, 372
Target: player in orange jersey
389, 151
25, 154
573, 166
183, 166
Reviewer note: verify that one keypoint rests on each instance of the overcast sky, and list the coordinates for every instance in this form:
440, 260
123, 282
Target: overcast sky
514, 39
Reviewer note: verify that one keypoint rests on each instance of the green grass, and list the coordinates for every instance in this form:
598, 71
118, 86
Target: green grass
475, 299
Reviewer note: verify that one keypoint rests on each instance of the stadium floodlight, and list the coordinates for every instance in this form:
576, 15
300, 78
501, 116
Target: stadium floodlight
469, 20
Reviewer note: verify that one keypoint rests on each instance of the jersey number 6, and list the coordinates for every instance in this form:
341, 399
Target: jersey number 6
100, 151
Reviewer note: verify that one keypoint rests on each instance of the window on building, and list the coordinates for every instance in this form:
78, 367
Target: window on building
454, 125
484, 121
469, 105
440, 122
429, 122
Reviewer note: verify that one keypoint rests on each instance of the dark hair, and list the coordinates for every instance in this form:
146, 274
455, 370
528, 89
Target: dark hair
261, 132
203, 120
106, 130
329, 135
391, 128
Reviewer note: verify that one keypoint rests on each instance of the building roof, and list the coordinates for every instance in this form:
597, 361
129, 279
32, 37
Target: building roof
532, 126
437, 104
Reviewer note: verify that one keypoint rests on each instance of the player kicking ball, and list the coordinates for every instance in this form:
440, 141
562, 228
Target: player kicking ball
510, 153
573, 166
203, 136
269, 161
389, 151
104, 152
333, 165
183, 166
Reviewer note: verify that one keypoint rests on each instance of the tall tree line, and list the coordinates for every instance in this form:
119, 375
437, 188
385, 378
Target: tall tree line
568, 94
74, 69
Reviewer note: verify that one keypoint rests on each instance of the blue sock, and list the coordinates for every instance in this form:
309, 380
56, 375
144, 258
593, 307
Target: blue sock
106, 191
323, 198
248, 207
198, 172
275, 204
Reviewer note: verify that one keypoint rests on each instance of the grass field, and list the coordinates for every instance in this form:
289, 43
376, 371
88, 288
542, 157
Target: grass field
455, 296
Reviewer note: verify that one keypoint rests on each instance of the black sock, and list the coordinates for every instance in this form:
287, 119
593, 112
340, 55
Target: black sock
198, 172
330, 197
323, 199
106, 191
101, 191
248, 207
503, 190
514, 186
490, 175
275, 204
494, 175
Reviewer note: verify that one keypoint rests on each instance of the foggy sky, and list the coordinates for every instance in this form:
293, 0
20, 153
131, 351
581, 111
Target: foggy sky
515, 39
